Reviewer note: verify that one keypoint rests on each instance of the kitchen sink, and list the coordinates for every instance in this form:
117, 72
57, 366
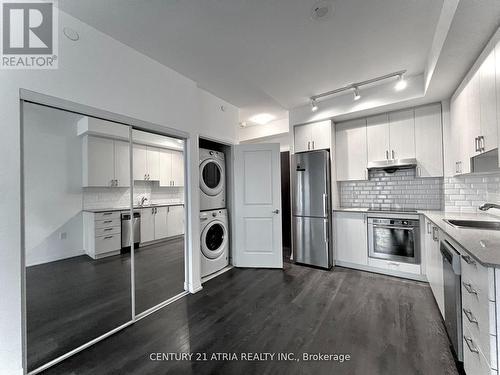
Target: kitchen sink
474, 224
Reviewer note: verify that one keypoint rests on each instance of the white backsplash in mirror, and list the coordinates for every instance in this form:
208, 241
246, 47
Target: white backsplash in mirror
97, 197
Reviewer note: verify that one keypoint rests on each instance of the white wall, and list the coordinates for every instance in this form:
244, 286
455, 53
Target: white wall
272, 128
100, 72
53, 180
283, 139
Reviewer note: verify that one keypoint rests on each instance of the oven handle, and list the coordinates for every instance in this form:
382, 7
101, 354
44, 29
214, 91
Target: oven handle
393, 227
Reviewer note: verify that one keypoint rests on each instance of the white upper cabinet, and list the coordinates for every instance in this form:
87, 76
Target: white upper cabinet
314, 136
320, 135
105, 162
475, 114
488, 104
429, 141
165, 168
147, 163
351, 150
140, 162
402, 134
377, 135
153, 162
171, 168
122, 163
177, 168
99, 159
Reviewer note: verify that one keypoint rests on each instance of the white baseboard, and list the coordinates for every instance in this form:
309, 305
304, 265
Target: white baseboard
215, 274
362, 267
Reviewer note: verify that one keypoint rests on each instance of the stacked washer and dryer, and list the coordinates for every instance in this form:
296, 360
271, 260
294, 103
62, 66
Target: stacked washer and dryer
213, 216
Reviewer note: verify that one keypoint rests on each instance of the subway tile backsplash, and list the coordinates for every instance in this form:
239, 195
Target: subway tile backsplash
96, 198
467, 193
400, 189
403, 190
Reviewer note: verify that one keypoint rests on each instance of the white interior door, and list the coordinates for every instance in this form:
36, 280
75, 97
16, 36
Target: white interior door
257, 214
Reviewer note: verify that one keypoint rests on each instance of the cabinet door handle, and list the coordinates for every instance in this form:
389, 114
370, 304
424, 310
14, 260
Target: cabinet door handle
308, 145
470, 317
468, 287
108, 237
481, 143
116, 181
107, 221
106, 213
468, 259
471, 345
434, 234
392, 154
107, 229
393, 264
387, 154
476, 144
313, 145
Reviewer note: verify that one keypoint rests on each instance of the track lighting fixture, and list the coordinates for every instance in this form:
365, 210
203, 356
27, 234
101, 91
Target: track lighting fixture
401, 83
357, 95
314, 105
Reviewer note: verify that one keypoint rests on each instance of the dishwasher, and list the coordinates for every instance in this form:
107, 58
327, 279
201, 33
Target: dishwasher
452, 296
127, 229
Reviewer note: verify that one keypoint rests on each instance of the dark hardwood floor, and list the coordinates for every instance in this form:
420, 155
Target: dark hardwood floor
72, 301
387, 326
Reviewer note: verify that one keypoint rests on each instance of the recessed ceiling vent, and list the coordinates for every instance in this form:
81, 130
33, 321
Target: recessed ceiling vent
322, 10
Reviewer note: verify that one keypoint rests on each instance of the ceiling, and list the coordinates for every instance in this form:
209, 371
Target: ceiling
270, 56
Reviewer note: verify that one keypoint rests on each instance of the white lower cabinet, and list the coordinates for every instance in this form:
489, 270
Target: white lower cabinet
161, 222
102, 233
434, 263
351, 237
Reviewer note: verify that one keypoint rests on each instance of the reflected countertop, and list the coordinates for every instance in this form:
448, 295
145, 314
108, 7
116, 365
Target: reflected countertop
135, 207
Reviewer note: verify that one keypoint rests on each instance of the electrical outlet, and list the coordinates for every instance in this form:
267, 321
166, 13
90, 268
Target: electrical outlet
63, 235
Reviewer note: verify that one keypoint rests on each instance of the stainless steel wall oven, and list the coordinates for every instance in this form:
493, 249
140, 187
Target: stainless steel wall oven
394, 239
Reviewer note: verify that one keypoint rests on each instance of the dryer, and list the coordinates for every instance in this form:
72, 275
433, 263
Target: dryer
212, 180
214, 241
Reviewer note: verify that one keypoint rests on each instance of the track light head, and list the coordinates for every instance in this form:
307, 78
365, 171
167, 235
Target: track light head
401, 83
357, 95
314, 105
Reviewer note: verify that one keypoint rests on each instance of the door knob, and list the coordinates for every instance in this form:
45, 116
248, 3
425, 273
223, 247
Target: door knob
276, 211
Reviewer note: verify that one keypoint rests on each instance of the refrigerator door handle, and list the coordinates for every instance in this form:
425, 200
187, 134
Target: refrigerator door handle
326, 230
325, 205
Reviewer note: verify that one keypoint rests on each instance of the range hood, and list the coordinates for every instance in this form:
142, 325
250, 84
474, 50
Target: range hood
392, 164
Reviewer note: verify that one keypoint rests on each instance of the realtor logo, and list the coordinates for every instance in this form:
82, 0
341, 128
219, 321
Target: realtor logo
29, 35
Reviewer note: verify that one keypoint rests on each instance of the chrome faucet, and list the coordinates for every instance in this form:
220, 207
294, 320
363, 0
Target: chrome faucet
143, 199
487, 206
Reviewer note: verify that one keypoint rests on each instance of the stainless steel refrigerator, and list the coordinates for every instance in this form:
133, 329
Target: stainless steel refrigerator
311, 213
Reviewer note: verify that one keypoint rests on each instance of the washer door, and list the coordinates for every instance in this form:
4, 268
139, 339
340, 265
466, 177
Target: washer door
211, 177
213, 239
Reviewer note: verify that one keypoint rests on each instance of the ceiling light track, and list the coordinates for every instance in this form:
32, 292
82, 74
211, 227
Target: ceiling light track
356, 86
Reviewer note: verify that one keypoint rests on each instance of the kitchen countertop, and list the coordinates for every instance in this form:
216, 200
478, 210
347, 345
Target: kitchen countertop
135, 207
483, 245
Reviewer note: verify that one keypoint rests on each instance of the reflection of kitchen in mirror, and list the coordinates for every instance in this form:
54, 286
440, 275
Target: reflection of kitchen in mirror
78, 281
158, 174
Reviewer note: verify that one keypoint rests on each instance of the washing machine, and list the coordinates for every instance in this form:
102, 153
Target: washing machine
214, 241
212, 180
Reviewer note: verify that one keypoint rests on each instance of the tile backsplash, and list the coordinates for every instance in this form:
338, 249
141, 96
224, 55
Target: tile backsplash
403, 190
466, 193
96, 198
400, 189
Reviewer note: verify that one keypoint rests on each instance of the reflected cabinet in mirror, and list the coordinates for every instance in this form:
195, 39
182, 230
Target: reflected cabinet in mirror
76, 187
158, 174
